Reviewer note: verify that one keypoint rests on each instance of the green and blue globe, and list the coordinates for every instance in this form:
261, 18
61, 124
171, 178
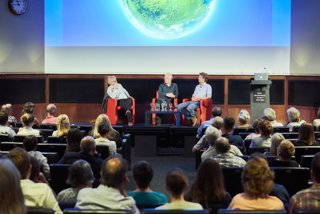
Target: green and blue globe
168, 19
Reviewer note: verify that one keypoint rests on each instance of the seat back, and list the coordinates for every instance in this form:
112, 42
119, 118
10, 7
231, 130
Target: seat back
59, 174
280, 129
52, 139
103, 150
112, 110
39, 210
20, 138
4, 137
305, 211
293, 179
305, 150
155, 211
258, 149
59, 148
232, 179
92, 211
306, 161
226, 211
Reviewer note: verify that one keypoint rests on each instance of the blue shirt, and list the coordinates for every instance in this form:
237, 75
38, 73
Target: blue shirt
149, 198
204, 90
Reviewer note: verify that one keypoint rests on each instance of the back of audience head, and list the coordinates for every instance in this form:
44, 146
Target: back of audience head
104, 129
315, 168
27, 119
293, 114
257, 178
35, 170
222, 145
176, 183
21, 160
306, 134
3, 118
255, 126
51, 109
217, 112
265, 128
6, 108
217, 122
269, 114
30, 143
244, 117
63, 125
88, 145
74, 137
208, 186
113, 172
286, 150
142, 174
276, 139
212, 134
28, 108
228, 123
12, 200
80, 174
101, 119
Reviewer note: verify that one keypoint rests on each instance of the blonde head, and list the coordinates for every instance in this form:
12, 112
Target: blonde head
63, 125
101, 119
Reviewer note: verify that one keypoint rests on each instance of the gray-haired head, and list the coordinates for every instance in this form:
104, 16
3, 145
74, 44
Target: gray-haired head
244, 116
293, 114
276, 139
211, 135
111, 79
269, 114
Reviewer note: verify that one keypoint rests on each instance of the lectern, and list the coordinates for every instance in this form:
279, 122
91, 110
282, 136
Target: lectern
259, 97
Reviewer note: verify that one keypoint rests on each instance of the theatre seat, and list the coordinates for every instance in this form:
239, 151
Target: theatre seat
59, 175
100, 211
154, 211
204, 111
113, 110
39, 210
226, 211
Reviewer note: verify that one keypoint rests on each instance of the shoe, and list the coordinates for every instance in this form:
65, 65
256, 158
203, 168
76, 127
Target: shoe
194, 121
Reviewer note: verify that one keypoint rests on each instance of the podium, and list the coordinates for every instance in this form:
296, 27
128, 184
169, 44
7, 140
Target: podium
259, 97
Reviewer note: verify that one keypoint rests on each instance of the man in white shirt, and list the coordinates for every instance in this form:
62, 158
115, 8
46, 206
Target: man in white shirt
110, 194
35, 194
4, 129
116, 91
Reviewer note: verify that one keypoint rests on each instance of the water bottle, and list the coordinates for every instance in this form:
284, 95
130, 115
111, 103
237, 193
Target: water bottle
164, 106
157, 107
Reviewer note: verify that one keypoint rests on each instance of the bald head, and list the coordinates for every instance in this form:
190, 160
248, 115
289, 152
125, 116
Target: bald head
87, 145
113, 172
222, 145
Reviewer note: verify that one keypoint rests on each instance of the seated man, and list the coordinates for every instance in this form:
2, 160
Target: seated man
4, 128
143, 195
116, 91
51, 115
167, 90
35, 194
110, 194
224, 157
309, 198
216, 112
227, 132
202, 91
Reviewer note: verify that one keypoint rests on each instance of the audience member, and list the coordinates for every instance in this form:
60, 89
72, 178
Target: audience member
218, 123
110, 194
210, 139
208, 187
112, 135
167, 91
224, 157
227, 132
7, 108
256, 130
29, 109
74, 137
88, 153
316, 122
244, 119
4, 129
306, 136
36, 175
27, 121
264, 140
309, 198
285, 154
104, 128
12, 201
294, 118
270, 115
276, 139
80, 176
216, 112
257, 182
176, 183
30, 143
63, 126
51, 115
202, 142
143, 194
35, 194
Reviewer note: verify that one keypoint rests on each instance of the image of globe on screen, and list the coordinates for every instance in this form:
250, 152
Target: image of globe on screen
168, 19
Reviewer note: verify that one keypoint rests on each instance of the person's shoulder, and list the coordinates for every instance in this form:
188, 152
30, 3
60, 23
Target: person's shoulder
85, 192
194, 205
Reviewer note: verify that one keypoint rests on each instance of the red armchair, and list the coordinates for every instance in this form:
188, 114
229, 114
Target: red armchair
205, 109
113, 109
153, 106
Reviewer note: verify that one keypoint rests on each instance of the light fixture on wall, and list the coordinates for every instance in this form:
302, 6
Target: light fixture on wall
17, 7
